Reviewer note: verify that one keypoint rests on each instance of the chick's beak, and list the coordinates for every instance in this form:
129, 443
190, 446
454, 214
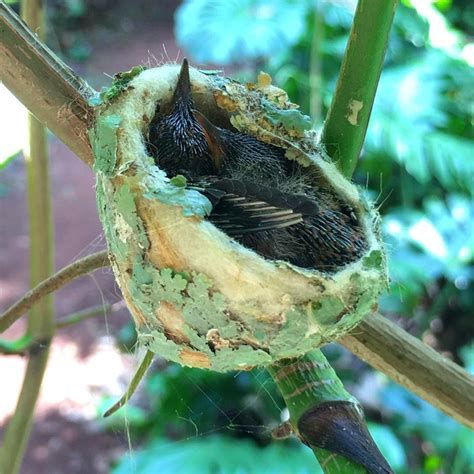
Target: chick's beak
182, 91
182, 101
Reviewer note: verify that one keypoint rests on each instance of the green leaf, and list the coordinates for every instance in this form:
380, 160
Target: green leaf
224, 31
75, 8
415, 416
411, 120
424, 155
215, 454
437, 242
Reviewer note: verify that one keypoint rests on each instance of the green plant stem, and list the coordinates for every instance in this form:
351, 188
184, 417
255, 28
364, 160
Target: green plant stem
41, 324
19, 427
139, 374
23, 345
414, 365
309, 385
62, 277
315, 69
325, 416
19, 346
348, 117
83, 315
41, 318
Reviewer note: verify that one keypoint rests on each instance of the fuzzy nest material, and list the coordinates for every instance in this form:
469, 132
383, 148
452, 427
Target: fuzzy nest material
198, 297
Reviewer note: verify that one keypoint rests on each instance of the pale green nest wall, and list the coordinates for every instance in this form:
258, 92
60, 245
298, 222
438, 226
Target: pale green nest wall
198, 297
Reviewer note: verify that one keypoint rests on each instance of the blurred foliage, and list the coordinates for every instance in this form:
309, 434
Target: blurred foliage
238, 30
447, 446
216, 454
417, 164
243, 405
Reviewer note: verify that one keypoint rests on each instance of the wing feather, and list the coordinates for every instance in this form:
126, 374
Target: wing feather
241, 207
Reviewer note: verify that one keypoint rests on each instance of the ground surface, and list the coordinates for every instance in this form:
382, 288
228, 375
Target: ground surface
84, 363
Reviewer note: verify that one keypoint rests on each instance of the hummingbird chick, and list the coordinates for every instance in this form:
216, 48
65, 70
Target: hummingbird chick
176, 139
261, 199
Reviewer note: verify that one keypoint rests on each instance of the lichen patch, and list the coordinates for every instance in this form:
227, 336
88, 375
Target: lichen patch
354, 107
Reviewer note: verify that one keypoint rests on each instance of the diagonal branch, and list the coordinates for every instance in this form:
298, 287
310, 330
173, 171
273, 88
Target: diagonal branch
65, 275
44, 84
415, 365
41, 318
26, 343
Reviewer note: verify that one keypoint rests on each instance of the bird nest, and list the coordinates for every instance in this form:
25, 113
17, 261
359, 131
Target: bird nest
198, 297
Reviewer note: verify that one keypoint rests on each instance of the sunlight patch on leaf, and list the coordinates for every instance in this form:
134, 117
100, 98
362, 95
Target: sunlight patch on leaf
424, 233
441, 34
437, 242
13, 125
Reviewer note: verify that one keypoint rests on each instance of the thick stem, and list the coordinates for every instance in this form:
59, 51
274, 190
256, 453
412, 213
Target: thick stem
44, 84
334, 429
18, 428
41, 325
325, 416
62, 277
41, 318
346, 124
